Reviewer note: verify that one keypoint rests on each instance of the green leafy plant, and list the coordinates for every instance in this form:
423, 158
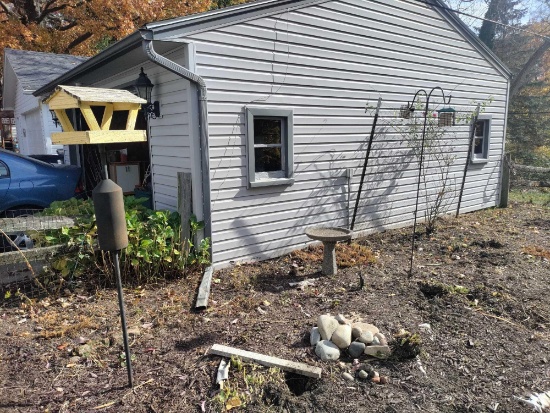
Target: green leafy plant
122, 359
155, 248
199, 254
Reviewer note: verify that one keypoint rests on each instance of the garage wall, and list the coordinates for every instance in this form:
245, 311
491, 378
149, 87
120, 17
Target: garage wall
326, 63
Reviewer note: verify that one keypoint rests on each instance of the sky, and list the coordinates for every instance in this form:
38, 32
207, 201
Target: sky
479, 8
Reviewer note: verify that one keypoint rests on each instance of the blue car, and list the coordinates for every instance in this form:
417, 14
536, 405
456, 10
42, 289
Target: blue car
30, 184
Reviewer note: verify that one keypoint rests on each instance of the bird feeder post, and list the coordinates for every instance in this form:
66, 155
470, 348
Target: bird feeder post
112, 236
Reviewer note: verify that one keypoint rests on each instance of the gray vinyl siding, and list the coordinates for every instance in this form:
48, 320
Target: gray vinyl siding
169, 142
326, 62
25, 106
49, 128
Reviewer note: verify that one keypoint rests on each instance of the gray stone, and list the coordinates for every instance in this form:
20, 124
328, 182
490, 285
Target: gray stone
327, 324
366, 337
342, 336
360, 328
341, 319
356, 349
348, 377
375, 341
74, 359
326, 350
378, 351
363, 375
314, 336
367, 369
381, 339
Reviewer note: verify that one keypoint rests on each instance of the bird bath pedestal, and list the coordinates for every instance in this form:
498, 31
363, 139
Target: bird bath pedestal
329, 237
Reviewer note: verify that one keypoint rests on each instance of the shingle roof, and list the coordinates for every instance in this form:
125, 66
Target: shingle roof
94, 94
36, 69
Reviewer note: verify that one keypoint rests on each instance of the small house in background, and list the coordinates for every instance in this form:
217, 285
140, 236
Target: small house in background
25, 72
264, 105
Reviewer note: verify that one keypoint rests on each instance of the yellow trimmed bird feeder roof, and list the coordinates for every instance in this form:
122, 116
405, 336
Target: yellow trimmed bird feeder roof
95, 94
96, 125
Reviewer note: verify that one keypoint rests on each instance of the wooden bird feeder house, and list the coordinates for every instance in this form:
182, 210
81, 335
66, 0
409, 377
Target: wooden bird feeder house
95, 116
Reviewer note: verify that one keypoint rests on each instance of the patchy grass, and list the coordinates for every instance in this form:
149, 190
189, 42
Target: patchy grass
56, 325
250, 385
536, 196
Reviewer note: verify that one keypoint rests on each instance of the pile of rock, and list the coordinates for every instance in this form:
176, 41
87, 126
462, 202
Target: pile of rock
365, 372
335, 334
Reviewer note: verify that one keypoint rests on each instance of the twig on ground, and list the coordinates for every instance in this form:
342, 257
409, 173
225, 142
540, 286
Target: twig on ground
137, 387
478, 310
103, 406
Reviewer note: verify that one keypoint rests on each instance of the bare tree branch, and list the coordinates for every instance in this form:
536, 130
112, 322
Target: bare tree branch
49, 9
80, 39
7, 10
519, 80
68, 26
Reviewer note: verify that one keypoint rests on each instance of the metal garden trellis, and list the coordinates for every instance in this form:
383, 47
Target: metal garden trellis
405, 112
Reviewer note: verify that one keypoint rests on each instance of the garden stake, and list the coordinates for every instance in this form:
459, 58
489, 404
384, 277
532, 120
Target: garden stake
471, 143
123, 321
375, 120
421, 160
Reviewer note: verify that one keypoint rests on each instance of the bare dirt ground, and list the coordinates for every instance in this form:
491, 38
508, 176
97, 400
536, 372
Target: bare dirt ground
481, 282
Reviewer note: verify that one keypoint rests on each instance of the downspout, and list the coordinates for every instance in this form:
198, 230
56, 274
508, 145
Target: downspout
147, 43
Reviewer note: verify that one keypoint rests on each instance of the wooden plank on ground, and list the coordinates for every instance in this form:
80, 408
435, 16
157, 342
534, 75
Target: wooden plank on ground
34, 223
33, 254
204, 289
268, 361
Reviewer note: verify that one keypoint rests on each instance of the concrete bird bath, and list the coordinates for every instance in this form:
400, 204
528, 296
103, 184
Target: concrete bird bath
329, 237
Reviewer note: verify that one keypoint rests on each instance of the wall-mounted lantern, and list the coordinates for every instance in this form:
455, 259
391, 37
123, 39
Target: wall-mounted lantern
144, 88
54, 118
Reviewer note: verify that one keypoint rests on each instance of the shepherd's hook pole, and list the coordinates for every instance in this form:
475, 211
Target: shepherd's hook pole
374, 122
123, 321
421, 163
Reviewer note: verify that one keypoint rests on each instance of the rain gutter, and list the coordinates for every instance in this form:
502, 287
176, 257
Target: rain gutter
147, 44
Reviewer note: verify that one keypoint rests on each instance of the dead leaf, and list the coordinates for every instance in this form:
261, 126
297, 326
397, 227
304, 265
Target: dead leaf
233, 402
